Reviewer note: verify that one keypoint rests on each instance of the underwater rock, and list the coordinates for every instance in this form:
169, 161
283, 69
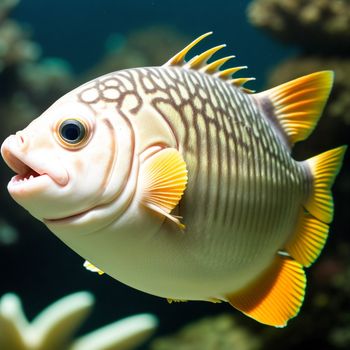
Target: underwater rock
213, 333
319, 26
54, 327
140, 48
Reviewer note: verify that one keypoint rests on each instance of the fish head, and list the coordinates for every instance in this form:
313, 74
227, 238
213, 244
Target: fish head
70, 162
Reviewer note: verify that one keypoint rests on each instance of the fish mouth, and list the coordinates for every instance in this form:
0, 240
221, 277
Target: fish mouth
28, 175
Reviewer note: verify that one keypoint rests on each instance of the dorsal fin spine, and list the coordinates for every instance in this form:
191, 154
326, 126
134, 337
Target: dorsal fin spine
213, 67
179, 58
227, 73
199, 63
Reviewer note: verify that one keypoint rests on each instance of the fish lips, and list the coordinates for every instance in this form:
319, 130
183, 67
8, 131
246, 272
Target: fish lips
33, 173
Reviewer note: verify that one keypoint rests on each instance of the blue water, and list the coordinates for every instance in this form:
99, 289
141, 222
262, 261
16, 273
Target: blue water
77, 30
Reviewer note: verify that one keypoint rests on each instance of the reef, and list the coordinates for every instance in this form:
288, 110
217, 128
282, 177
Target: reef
220, 332
318, 26
55, 326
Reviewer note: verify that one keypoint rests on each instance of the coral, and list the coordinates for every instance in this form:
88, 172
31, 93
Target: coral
213, 333
54, 327
316, 25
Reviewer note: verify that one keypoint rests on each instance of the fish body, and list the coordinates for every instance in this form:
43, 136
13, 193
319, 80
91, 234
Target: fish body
179, 182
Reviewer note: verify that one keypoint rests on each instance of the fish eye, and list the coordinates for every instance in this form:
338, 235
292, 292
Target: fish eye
72, 132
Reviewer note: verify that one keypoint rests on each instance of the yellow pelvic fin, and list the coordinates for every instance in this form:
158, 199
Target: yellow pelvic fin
309, 238
170, 301
164, 177
92, 268
324, 168
298, 104
275, 296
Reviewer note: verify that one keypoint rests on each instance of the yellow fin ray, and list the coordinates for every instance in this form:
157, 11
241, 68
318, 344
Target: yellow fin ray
324, 168
309, 238
179, 58
275, 296
298, 104
227, 73
213, 67
199, 62
164, 179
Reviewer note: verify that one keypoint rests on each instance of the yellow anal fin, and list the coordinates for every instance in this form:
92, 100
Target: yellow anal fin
164, 180
298, 104
275, 296
92, 268
308, 240
324, 168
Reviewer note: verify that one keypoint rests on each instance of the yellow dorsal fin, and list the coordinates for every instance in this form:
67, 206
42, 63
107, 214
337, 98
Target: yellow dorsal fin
164, 179
199, 62
298, 104
227, 73
275, 296
324, 168
179, 58
214, 67
308, 240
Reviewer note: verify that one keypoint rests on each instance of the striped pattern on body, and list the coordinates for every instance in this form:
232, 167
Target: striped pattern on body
242, 179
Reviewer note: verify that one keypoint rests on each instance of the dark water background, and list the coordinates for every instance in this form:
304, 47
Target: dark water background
40, 268
77, 30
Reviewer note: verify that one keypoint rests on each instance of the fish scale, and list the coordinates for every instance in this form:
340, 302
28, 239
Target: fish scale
242, 137
193, 193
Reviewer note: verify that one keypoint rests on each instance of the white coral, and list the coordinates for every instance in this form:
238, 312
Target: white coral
54, 327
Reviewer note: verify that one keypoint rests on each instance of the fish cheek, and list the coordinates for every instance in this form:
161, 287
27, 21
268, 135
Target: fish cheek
79, 166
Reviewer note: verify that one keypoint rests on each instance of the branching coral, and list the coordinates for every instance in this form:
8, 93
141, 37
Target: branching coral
316, 25
53, 328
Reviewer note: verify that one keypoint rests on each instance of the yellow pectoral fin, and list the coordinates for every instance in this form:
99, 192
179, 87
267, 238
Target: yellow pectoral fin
164, 180
274, 297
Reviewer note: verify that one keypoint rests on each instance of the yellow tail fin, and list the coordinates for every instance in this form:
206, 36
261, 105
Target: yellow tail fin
324, 168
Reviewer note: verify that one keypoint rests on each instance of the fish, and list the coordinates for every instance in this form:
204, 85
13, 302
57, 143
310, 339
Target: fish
178, 181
